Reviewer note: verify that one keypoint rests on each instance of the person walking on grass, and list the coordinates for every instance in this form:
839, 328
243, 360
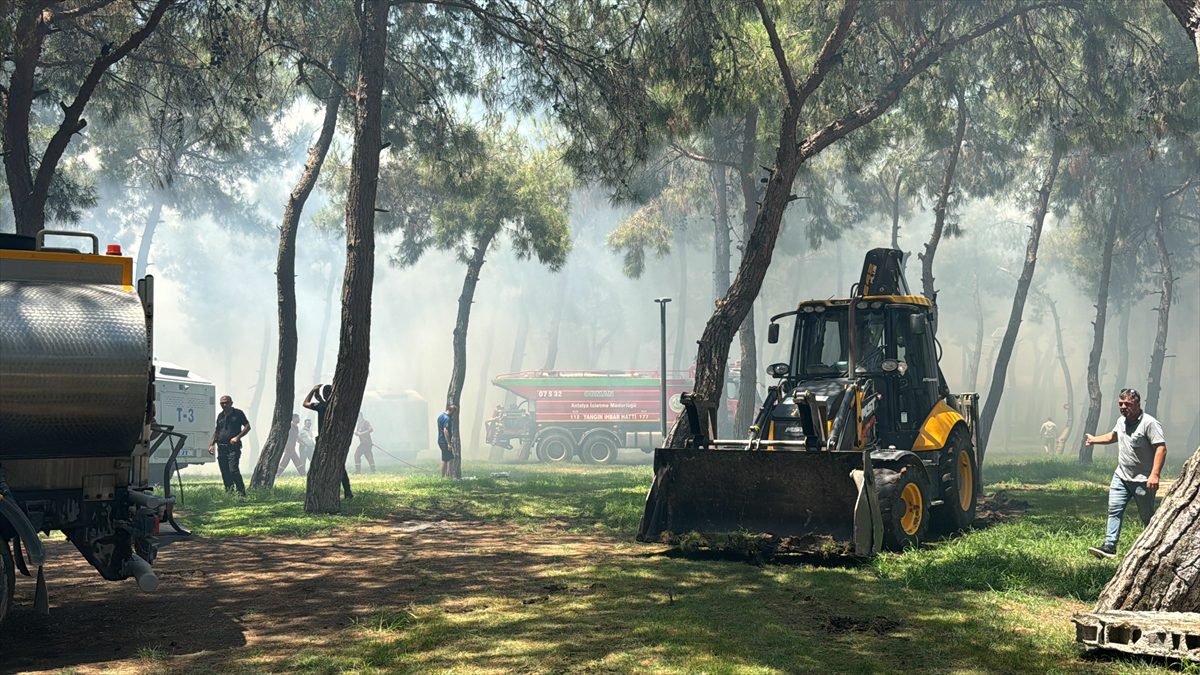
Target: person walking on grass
1142, 450
290, 456
445, 439
365, 444
232, 426
318, 402
1049, 433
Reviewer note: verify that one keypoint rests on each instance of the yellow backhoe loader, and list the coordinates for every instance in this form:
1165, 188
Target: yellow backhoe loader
859, 446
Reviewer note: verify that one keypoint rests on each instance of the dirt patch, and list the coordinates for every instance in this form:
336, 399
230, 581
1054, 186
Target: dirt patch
273, 596
997, 508
880, 625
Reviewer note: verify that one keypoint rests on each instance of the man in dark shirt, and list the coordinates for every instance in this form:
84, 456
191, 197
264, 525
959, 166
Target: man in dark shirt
232, 425
318, 401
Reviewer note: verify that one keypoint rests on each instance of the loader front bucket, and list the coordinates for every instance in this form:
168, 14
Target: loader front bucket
818, 500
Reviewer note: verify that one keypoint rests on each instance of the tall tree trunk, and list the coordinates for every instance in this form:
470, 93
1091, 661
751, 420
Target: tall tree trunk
354, 347
260, 383
458, 373
713, 346
518, 352
1161, 573
682, 294
747, 406
943, 198
977, 353
894, 200
481, 411
560, 304
152, 221
285, 288
1095, 395
721, 246
1065, 431
1122, 380
29, 190
1167, 284
996, 389
326, 323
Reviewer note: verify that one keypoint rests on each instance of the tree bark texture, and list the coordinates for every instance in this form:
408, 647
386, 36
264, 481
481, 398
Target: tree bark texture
747, 406
1167, 287
458, 373
996, 388
152, 221
714, 343
1095, 394
285, 288
354, 348
943, 198
1162, 570
30, 190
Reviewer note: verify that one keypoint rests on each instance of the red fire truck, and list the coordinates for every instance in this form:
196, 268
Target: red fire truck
585, 413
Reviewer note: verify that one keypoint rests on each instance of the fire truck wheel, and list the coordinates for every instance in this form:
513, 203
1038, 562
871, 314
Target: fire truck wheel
556, 447
8, 578
599, 448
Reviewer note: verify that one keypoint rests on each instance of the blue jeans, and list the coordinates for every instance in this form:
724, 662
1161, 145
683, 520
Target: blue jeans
1120, 491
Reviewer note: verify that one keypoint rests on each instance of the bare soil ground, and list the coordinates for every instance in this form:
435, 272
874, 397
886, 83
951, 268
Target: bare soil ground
270, 597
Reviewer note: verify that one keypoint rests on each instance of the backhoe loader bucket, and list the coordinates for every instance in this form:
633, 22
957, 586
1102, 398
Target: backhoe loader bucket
810, 500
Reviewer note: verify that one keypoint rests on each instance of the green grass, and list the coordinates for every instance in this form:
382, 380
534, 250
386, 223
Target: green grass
992, 600
608, 499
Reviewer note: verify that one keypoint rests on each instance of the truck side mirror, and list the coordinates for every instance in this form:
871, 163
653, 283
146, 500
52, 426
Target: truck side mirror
773, 333
917, 324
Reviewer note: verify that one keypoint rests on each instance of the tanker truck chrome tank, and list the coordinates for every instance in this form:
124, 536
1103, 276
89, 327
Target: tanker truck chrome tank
76, 403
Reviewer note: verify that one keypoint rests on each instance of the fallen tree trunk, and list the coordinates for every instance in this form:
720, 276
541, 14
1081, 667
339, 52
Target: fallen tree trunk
1162, 570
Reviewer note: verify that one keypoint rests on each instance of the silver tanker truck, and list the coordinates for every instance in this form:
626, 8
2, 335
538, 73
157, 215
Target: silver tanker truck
76, 406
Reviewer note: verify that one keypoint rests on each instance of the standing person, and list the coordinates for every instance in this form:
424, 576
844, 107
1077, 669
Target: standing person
318, 401
306, 442
1142, 450
445, 439
1049, 432
289, 448
365, 444
232, 426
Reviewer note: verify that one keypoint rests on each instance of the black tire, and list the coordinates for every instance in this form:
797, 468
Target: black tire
904, 505
599, 448
555, 447
8, 578
960, 485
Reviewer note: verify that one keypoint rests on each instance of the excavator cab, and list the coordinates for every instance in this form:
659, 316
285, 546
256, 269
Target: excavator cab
859, 444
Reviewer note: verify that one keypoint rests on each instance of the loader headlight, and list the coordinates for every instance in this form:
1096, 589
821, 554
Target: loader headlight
889, 365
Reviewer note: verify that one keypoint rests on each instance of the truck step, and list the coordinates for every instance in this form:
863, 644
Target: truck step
1170, 634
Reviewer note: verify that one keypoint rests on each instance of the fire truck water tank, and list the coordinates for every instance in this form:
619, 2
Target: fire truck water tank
73, 370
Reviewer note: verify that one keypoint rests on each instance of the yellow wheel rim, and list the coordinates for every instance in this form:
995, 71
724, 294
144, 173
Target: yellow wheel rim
966, 481
910, 522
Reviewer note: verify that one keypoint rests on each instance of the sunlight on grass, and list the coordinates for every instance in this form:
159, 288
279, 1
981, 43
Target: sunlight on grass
996, 599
